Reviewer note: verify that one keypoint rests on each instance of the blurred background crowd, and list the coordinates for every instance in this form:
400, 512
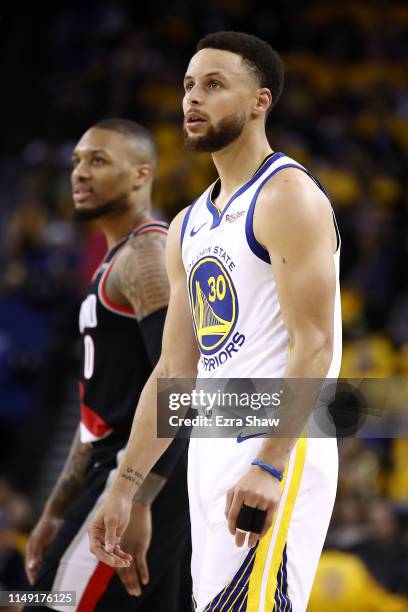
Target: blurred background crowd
343, 114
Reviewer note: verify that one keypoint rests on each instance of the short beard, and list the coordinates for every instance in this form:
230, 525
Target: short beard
216, 138
82, 215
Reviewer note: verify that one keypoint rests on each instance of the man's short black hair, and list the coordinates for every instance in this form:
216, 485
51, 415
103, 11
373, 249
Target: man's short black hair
132, 130
257, 53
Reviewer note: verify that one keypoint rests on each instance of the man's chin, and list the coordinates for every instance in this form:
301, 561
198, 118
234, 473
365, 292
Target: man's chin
198, 144
91, 213
83, 213
215, 138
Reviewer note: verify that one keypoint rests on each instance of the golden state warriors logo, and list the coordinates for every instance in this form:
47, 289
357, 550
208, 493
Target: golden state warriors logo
214, 304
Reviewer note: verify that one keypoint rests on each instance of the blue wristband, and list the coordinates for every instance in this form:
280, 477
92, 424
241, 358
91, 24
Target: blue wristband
268, 468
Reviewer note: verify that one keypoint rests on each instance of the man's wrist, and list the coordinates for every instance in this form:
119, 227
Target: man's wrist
123, 488
276, 452
268, 468
141, 503
277, 462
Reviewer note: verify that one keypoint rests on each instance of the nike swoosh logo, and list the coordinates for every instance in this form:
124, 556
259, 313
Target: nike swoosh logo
194, 232
242, 438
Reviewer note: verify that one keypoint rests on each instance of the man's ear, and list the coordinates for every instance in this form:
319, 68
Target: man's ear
142, 174
262, 102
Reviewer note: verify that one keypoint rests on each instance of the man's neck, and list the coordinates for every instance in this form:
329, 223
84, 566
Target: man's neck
237, 163
117, 227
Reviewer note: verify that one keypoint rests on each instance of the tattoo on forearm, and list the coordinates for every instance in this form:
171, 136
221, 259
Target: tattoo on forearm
70, 482
133, 475
66, 492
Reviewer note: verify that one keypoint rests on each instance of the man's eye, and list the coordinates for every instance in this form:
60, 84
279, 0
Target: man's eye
214, 85
98, 161
188, 86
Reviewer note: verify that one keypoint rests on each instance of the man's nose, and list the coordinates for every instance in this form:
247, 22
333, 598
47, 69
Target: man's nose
195, 95
81, 171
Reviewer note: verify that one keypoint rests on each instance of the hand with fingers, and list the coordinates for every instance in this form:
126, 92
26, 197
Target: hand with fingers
40, 538
252, 502
136, 542
107, 528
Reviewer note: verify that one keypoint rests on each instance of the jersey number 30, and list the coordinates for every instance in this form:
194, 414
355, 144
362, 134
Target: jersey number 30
217, 288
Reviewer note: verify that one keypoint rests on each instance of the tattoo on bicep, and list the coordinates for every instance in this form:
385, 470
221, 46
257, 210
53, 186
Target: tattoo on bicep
142, 274
133, 475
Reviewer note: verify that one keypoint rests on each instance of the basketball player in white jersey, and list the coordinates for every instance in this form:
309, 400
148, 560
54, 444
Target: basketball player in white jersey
260, 248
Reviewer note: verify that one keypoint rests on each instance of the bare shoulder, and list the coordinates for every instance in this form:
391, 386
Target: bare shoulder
291, 208
177, 224
140, 247
292, 191
139, 274
174, 261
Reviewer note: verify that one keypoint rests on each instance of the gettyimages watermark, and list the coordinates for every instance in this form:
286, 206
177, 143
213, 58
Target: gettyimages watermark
248, 408
209, 400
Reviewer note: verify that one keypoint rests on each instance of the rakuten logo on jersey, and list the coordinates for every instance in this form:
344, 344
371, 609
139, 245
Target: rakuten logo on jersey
234, 216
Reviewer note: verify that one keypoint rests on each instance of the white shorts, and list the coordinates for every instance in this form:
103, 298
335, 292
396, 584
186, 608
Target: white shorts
280, 570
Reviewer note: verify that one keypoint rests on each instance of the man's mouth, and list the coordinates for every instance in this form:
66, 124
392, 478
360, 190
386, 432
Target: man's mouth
195, 119
81, 194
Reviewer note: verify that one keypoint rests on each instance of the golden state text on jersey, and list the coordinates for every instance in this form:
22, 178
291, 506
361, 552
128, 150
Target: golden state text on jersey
235, 309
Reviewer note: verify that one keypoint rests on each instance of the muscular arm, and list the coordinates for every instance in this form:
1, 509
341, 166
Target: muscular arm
293, 221
297, 230
63, 495
69, 484
139, 276
179, 358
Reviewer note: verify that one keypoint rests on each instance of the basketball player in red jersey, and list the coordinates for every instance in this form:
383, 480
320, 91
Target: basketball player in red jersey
121, 322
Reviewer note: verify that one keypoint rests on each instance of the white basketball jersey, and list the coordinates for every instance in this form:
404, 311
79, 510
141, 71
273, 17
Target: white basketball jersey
234, 303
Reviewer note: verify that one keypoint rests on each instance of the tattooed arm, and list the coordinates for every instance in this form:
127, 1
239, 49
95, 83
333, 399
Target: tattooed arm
69, 484
139, 279
64, 493
178, 359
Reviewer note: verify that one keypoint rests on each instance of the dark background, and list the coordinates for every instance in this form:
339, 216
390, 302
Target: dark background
343, 115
